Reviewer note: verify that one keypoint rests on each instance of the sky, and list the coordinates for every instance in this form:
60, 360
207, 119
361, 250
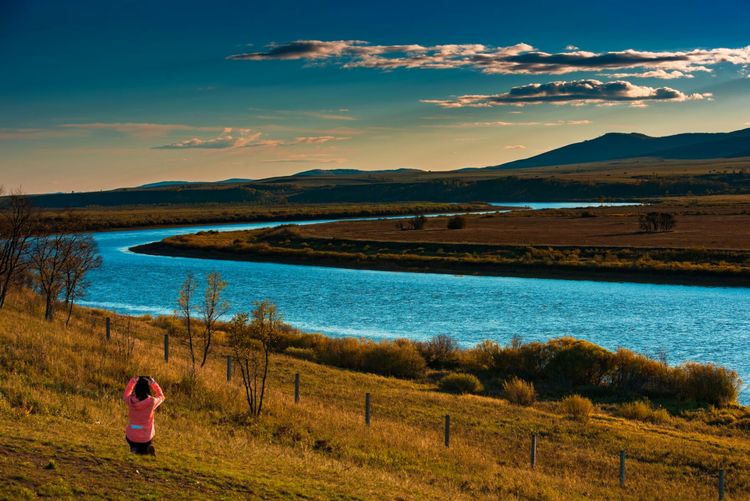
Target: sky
98, 95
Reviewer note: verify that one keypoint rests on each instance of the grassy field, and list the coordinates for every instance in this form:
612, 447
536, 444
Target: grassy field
105, 218
710, 244
62, 421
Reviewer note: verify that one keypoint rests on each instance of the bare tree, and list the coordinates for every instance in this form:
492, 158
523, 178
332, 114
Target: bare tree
185, 302
252, 338
212, 309
48, 257
655, 222
16, 230
82, 258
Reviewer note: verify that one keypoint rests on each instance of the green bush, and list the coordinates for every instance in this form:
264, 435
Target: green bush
519, 392
461, 383
575, 362
577, 407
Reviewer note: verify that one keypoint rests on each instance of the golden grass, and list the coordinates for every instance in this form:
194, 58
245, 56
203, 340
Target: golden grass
62, 420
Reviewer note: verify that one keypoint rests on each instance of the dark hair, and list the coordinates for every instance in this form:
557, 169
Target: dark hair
142, 388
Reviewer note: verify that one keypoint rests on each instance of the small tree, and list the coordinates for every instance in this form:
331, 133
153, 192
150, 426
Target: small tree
16, 229
185, 304
212, 309
456, 223
83, 256
48, 258
655, 222
252, 338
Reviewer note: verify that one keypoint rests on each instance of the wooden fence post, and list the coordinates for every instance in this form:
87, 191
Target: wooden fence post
533, 450
721, 485
166, 348
109, 334
447, 430
622, 468
367, 409
296, 388
229, 367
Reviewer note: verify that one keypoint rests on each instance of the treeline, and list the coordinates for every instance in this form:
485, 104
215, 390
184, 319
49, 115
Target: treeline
54, 260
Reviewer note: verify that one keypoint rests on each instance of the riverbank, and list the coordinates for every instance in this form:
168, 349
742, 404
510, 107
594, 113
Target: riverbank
162, 216
710, 246
59, 386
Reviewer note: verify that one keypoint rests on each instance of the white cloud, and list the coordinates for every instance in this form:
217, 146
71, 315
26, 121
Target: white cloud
520, 58
576, 92
229, 138
515, 147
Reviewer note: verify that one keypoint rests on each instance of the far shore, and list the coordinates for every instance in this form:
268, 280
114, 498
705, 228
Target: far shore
561, 272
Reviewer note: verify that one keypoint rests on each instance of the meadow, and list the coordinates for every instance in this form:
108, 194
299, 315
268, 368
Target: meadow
62, 421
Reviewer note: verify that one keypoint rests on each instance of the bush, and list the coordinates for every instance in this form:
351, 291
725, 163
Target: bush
643, 410
577, 407
440, 352
456, 223
303, 353
460, 383
519, 392
577, 363
654, 222
708, 383
398, 358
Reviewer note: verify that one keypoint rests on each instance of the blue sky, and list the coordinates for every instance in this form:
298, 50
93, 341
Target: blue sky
96, 95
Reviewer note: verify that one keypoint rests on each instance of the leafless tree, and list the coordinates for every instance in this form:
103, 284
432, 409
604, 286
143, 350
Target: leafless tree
185, 302
83, 257
47, 258
16, 230
212, 309
252, 338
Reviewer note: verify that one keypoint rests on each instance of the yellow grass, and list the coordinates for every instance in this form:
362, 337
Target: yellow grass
62, 420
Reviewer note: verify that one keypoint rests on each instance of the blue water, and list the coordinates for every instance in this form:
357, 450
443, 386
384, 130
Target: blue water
563, 205
708, 324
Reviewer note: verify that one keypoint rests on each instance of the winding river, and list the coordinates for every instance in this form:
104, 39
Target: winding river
708, 324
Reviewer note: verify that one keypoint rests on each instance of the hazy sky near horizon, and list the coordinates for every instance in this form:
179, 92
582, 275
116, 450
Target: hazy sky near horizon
97, 95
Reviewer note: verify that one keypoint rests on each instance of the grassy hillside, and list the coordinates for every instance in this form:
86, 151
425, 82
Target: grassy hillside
62, 420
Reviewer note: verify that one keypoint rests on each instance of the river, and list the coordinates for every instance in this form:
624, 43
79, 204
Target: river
706, 324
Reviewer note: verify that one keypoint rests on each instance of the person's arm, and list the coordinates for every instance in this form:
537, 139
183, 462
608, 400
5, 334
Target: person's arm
158, 394
129, 388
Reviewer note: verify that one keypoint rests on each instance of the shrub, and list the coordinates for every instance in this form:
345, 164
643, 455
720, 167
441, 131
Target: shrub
440, 352
398, 358
577, 407
577, 363
708, 383
643, 410
519, 392
303, 353
654, 222
456, 223
459, 382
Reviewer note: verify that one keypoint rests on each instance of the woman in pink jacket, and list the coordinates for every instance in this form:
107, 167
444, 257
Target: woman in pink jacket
141, 406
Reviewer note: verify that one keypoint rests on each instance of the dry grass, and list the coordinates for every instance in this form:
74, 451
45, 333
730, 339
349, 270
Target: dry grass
519, 392
60, 406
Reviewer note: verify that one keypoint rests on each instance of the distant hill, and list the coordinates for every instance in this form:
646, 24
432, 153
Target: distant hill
350, 172
619, 146
165, 184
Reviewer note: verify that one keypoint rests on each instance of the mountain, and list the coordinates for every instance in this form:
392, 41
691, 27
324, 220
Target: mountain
349, 172
166, 184
619, 146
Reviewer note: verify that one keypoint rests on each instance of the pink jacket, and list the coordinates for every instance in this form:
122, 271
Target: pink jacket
141, 412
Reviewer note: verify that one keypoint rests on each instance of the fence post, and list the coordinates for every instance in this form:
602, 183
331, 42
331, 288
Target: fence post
721, 485
109, 334
296, 388
622, 468
229, 367
533, 450
447, 430
166, 348
367, 409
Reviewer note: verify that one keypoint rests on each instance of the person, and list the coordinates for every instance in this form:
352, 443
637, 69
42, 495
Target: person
141, 406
